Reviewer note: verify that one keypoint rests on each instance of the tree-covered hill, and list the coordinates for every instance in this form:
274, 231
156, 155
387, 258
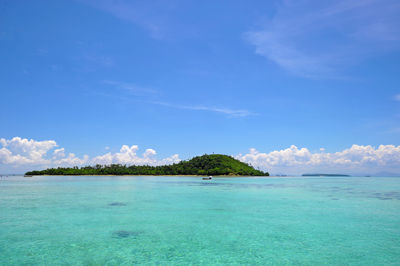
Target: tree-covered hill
214, 164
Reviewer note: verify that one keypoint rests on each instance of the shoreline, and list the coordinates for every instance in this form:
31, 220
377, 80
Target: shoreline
161, 175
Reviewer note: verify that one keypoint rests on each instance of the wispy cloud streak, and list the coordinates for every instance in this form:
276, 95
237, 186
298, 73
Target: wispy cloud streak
150, 15
129, 92
131, 88
227, 111
317, 39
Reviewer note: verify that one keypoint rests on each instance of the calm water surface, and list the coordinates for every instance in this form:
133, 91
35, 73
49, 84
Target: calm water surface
184, 220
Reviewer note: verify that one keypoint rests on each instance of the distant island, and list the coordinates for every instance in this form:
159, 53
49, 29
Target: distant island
214, 164
323, 175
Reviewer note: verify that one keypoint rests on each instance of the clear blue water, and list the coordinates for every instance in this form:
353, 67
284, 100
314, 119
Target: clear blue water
184, 220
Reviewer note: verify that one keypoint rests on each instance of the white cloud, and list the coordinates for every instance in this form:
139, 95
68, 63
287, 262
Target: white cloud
58, 153
312, 38
356, 159
24, 151
71, 160
149, 153
128, 155
397, 97
20, 153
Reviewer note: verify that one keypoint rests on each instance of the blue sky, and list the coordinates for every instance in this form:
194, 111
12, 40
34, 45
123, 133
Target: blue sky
188, 78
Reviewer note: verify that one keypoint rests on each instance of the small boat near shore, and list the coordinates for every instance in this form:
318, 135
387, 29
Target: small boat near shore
207, 178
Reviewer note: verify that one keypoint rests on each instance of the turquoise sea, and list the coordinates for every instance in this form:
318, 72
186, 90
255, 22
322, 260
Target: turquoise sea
105, 220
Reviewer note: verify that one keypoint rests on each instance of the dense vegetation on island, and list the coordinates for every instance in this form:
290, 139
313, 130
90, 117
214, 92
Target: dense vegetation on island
214, 164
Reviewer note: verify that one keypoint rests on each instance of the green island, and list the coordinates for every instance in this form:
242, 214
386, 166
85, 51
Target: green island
214, 164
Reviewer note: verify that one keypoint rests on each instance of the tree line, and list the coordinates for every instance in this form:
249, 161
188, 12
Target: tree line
215, 164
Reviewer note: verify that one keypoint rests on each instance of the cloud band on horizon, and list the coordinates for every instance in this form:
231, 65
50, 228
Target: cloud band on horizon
20, 153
